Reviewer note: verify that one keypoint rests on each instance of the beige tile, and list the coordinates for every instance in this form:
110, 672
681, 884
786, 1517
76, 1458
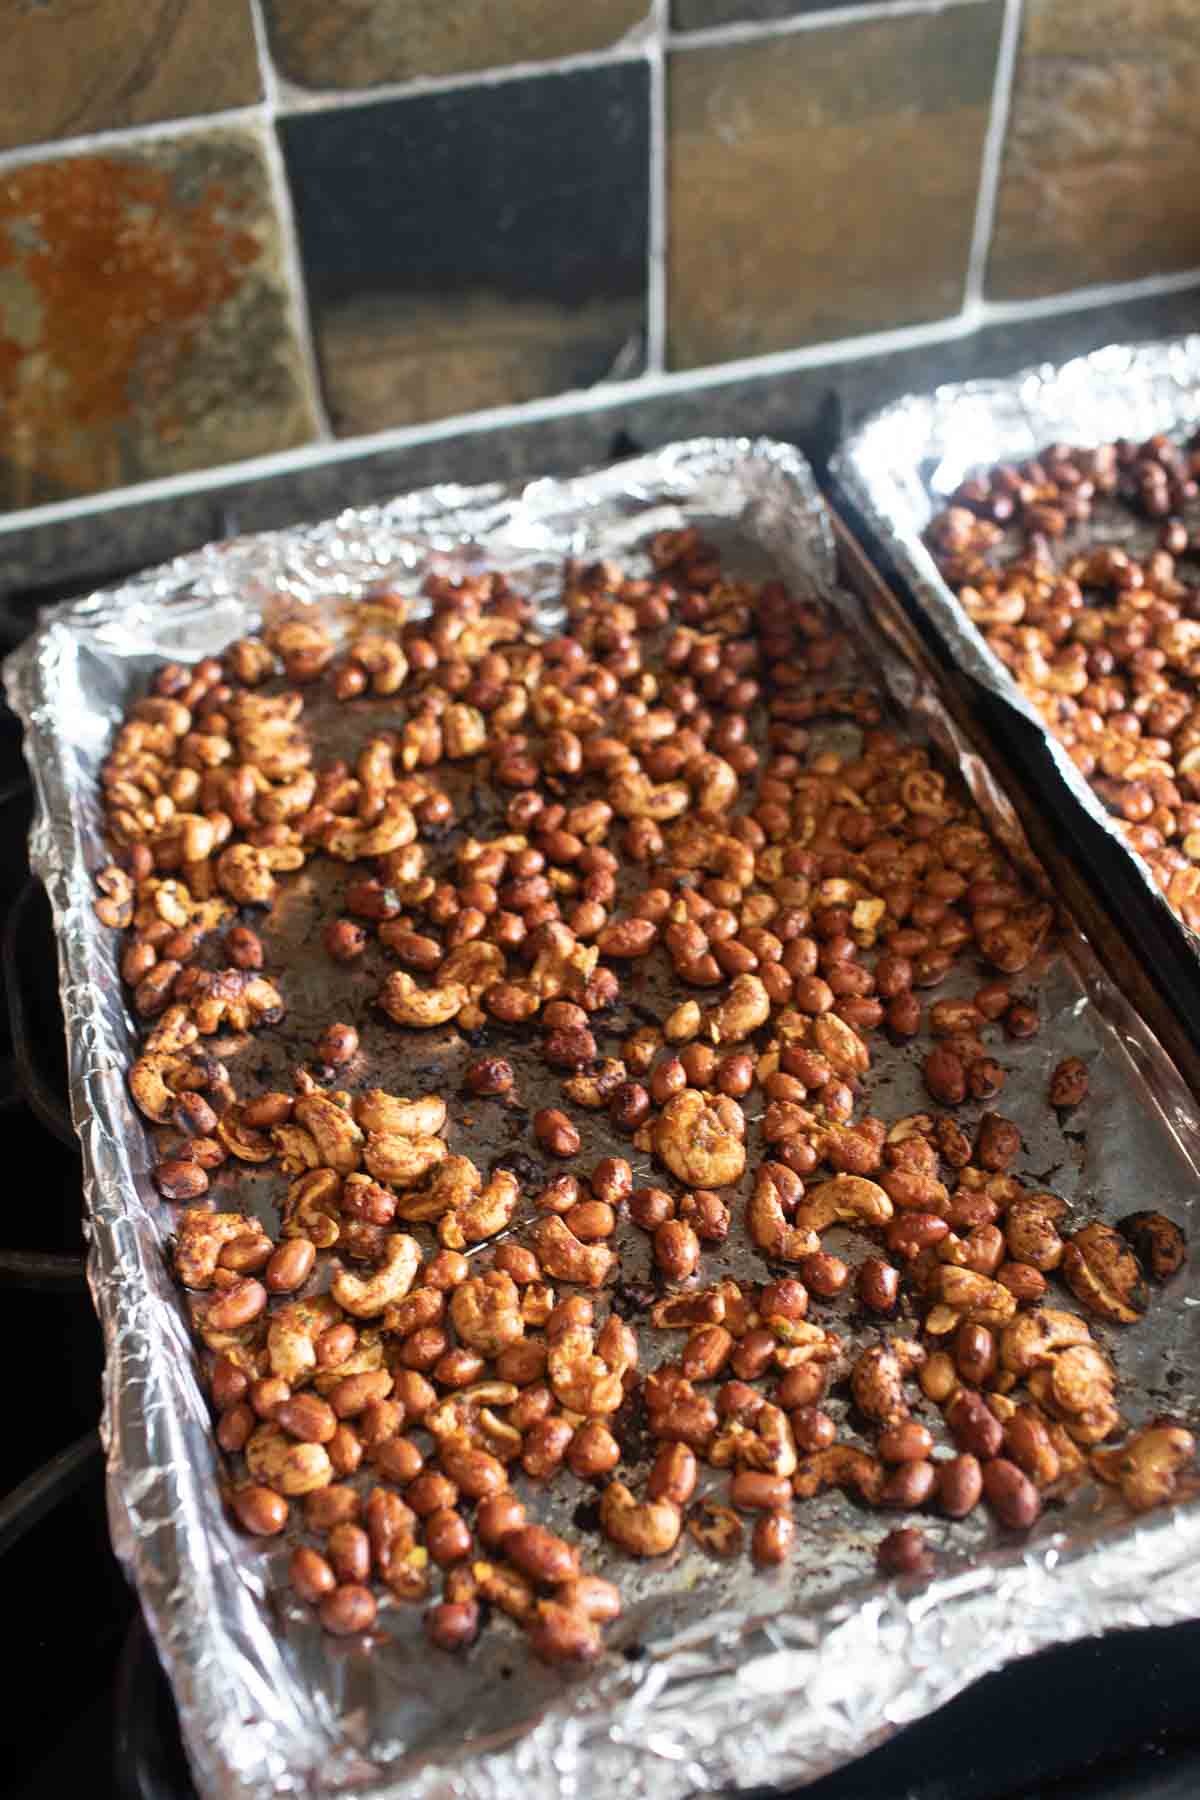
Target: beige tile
361, 43
823, 183
1101, 174
72, 66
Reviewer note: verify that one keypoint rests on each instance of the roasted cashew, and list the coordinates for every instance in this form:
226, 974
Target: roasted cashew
483, 1214
455, 1181
643, 1528
200, 1238
389, 1283
383, 659
1103, 1274
464, 731
743, 1010
700, 1139
565, 1258
636, 797
714, 783
561, 965
847, 1199
877, 1380
402, 1000
767, 1222
402, 1161
475, 966
840, 1466
351, 841
154, 1082
244, 873
974, 1297
295, 1149
292, 1335
840, 1045
312, 1208
580, 1379
763, 1443
338, 1138
289, 1467
1147, 1466
378, 1111
241, 1140
485, 1311
1034, 1339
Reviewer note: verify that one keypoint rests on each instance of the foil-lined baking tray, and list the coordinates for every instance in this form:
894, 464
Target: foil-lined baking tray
720, 1677
900, 467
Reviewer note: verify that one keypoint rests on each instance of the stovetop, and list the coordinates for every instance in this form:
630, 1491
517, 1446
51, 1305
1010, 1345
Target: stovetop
85, 1700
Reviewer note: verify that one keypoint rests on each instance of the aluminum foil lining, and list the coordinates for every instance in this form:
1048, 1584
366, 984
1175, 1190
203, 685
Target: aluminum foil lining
721, 1678
901, 466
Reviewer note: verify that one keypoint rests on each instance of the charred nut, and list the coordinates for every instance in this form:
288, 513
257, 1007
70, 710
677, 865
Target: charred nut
772, 1540
959, 1485
259, 1510
311, 1576
1069, 1083
290, 1266
1156, 1241
555, 1132
878, 1285
973, 1426
348, 1610
1010, 1494
180, 1180
904, 1552
239, 1305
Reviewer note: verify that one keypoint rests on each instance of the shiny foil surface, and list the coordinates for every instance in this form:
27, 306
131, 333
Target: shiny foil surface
718, 1676
903, 463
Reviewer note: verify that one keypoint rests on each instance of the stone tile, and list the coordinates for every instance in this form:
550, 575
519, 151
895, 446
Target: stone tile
824, 184
145, 324
361, 43
1101, 173
468, 249
69, 67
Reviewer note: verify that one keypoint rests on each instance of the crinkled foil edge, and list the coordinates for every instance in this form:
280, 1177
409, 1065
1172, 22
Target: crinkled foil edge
905, 460
740, 1702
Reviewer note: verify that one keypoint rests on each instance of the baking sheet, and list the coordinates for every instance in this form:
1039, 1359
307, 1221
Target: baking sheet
902, 464
720, 1677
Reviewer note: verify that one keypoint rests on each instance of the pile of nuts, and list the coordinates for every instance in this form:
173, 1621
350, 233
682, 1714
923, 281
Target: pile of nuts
1104, 643
417, 1333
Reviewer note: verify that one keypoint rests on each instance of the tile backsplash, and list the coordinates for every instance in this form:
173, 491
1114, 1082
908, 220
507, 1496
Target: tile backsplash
234, 230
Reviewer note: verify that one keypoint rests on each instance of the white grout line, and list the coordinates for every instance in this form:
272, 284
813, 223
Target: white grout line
294, 101
714, 37
262, 48
289, 236
992, 159
129, 136
602, 399
1113, 293
656, 246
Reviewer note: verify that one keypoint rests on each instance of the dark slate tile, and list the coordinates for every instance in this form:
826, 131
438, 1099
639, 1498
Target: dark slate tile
145, 324
468, 249
824, 183
360, 43
1101, 174
806, 406
67, 68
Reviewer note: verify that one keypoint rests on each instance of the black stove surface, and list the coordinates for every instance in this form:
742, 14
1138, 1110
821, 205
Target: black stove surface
86, 1706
